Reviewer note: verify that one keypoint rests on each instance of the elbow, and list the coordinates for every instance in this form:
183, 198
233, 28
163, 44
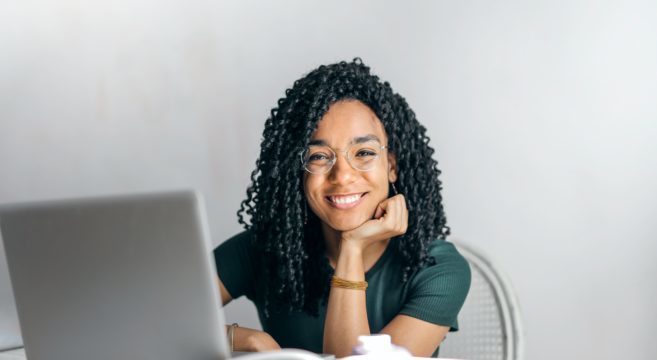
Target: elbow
339, 349
338, 353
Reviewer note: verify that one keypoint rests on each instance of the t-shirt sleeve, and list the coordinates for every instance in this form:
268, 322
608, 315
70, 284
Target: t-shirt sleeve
234, 259
438, 292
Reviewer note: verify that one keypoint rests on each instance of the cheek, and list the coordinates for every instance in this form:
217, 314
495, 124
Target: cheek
379, 184
311, 188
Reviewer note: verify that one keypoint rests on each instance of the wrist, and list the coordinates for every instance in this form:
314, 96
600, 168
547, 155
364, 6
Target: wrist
246, 340
230, 331
349, 246
349, 264
261, 341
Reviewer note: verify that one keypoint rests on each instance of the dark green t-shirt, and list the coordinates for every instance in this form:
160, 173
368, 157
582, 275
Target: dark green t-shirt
434, 294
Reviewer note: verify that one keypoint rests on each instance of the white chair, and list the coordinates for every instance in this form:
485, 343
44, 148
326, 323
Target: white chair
490, 326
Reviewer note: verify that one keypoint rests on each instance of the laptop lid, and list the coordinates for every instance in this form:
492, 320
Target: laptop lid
126, 277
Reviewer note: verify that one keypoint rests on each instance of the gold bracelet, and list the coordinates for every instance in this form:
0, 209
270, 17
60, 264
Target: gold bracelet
348, 284
231, 335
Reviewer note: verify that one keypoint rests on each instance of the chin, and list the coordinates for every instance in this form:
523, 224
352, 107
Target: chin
346, 225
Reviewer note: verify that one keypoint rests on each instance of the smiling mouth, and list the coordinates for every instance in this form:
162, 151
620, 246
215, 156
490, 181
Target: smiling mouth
345, 201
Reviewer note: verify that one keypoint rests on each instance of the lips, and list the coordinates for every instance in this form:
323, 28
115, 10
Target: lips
345, 201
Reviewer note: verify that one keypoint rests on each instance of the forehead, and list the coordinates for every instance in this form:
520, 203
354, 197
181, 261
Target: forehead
346, 120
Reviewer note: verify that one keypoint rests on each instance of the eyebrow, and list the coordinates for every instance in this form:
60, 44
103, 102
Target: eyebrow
356, 140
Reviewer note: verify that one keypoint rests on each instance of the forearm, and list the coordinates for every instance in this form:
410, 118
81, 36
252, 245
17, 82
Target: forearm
346, 314
245, 339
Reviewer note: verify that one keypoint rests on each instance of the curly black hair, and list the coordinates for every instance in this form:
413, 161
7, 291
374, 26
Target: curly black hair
288, 235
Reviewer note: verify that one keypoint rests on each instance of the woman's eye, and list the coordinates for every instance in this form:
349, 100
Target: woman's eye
365, 153
317, 157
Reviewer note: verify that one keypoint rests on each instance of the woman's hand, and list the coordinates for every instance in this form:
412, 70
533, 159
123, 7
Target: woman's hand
390, 219
245, 339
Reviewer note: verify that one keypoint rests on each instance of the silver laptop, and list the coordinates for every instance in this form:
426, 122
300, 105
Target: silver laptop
10, 333
114, 278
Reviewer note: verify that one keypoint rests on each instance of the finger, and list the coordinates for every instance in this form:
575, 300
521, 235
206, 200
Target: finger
392, 216
404, 214
405, 218
378, 212
400, 213
382, 208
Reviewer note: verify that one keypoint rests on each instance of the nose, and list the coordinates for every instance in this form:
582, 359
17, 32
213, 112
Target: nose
342, 172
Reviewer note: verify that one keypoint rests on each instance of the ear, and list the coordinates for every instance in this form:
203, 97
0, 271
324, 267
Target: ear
392, 167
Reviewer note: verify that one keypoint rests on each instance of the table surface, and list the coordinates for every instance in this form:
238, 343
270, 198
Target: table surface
19, 354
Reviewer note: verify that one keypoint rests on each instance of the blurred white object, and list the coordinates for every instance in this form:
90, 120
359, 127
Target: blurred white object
380, 346
284, 354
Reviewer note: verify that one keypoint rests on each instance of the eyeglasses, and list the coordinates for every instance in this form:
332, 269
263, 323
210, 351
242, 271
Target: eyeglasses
361, 156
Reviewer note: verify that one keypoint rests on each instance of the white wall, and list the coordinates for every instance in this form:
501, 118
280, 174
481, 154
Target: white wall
543, 114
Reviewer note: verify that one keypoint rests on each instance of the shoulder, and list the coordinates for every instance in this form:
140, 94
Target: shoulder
235, 252
437, 292
445, 252
243, 239
235, 265
450, 271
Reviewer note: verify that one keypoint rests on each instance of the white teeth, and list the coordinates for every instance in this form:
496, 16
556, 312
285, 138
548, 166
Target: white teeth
345, 199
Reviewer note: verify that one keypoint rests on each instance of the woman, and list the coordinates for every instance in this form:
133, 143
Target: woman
347, 230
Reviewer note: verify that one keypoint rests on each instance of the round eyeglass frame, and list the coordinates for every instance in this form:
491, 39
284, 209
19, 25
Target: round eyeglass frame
335, 158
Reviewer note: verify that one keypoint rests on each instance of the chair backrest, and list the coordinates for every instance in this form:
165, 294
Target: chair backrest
490, 327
